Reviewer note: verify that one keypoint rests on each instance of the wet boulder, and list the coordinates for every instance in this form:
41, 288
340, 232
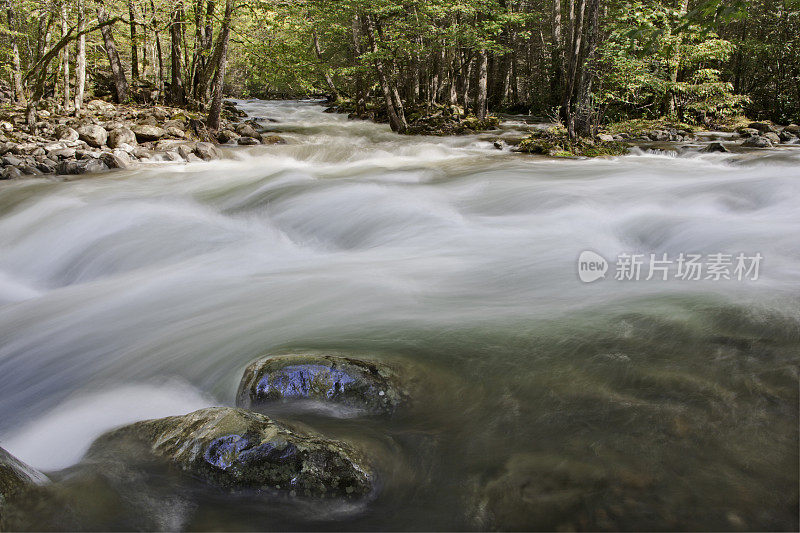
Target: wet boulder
246, 130
247, 141
772, 137
762, 127
147, 133
206, 151
271, 139
93, 135
121, 135
757, 142
240, 450
715, 146
321, 379
15, 477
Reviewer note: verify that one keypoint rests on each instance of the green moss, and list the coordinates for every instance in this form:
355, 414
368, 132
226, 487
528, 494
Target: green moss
555, 143
640, 126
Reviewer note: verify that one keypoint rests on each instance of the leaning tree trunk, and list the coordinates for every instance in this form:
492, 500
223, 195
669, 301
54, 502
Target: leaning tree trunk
120, 80
325, 72
80, 59
397, 119
215, 110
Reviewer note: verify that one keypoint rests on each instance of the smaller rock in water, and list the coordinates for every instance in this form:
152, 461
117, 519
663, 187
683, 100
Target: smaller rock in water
15, 477
271, 139
320, 378
246, 130
206, 151
714, 147
93, 135
247, 141
226, 136
237, 449
761, 127
773, 137
10, 173
757, 142
114, 160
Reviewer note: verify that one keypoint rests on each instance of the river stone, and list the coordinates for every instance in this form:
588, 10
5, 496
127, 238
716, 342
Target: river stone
100, 106
93, 135
147, 133
793, 129
65, 133
271, 139
321, 378
226, 136
247, 141
714, 147
237, 449
773, 137
762, 127
121, 135
757, 142
206, 151
114, 159
10, 173
246, 130
15, 476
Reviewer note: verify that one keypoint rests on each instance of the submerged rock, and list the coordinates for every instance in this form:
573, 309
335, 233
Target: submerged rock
321, 378
714, 147
757, 142
15, 477
237, 449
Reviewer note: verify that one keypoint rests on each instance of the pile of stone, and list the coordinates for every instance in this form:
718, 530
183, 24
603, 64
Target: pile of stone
765, 135
107, 136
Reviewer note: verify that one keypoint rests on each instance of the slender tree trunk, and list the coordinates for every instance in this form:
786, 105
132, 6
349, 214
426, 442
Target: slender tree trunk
215, 111
480, 99
557, 57
573, 70
80, 59
361, 97
120, 80
65, 60
134, 43
325, 72
675, 63
397, 119
585, 110
177, 95
19, 89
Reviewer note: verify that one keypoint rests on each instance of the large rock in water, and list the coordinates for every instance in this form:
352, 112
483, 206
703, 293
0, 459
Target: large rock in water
15, 477
237, 449
121, 135
320, 378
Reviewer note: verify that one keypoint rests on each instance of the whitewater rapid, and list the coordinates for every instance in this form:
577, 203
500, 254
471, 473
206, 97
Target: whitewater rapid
144, 293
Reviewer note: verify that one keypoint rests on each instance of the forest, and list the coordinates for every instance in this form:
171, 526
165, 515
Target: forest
582, 63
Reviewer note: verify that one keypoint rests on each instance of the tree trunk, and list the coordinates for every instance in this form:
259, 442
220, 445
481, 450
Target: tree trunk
134, 43
675, 63
177, 95
120, 80
19, 89
397, 119
573, 68
325, 72
65, 60
584, 118
80, 59
483, 80
361, 97
557, 56
218, 84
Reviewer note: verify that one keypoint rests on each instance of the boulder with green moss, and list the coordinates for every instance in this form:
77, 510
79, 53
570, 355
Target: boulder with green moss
15, 478
240, 450
322, 378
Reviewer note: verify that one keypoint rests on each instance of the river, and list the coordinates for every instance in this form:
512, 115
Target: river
611, 404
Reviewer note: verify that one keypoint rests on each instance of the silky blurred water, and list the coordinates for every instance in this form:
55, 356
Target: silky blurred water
611, 405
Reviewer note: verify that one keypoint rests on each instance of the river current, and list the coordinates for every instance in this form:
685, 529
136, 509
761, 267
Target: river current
554, 403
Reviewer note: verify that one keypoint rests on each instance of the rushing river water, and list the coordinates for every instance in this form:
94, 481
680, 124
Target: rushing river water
551, 403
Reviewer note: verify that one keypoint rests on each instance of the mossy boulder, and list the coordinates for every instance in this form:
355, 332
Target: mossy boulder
322, 378
240, 450
555, 143
15, 477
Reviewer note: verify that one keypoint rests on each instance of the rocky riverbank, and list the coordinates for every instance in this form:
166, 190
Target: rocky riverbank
106, 136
